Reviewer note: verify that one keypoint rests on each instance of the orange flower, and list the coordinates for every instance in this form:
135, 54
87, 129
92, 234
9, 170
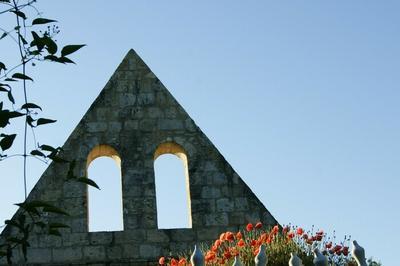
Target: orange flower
275, 229
239, 235
222, 237
229, 236
227, 254
258, 225
253, 243
263, 237
217, 243
234, 252
241, 243
290, 234
249, 227
300, 231
210, 256
255, 252
182, 262
174, 262
161, 261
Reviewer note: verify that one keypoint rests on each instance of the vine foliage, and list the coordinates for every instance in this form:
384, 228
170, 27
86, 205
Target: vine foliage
34, 38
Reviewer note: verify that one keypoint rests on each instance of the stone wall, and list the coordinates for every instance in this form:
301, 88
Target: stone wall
137, 119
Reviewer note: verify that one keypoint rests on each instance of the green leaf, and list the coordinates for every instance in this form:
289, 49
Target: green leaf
34, 204
58, 225
37, 153
54, 209
88, 181
47, 148
7, 141
42, 121
23, 39
19, 13
21, 76
51, 46
31, 105
38, 21
37, 41
30, 121
62, 59
6, 115
65, 60
3, 35
69, 49
56, 158
2, 66
10, 97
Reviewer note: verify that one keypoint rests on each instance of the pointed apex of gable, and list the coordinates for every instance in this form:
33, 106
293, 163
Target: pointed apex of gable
132, 62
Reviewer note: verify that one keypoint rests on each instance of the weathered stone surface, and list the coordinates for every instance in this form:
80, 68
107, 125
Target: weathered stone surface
136, 116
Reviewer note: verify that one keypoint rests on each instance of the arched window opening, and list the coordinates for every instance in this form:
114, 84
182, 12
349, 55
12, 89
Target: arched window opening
172, 187
105, 205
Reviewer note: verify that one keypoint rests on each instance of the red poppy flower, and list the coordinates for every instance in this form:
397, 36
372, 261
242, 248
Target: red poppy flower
174, 262
239, 235
229, 236
182, 262
241, 243
161, 261
290, 234
249, 227
258, 225
300, 231
227, 254
285, 230
328, 245
210, 256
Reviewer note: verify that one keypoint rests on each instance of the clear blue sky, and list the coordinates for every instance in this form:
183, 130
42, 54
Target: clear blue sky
301, 97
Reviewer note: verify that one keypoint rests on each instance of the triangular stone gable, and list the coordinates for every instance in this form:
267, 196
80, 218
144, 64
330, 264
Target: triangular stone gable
135, 114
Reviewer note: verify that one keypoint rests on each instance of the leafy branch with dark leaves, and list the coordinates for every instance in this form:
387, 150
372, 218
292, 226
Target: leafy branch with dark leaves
35, 40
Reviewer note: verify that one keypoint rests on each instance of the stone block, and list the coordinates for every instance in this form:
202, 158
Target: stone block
75, 239
210, 192
220, 218
241, 204
170, 124
225, 205
114, 252
155, 235
149, 251
131, 125
39, 255
67, 254
95, 127
100, 238
182, 235
94, 253
114, 127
